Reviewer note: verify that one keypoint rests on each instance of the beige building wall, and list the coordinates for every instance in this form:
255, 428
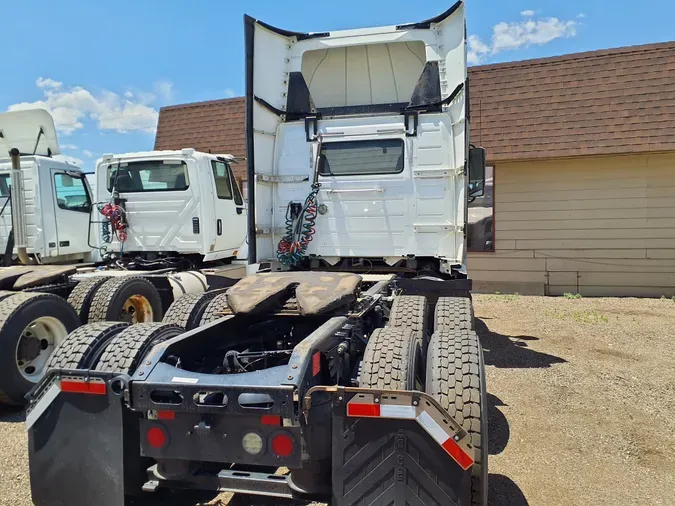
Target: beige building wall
599, 226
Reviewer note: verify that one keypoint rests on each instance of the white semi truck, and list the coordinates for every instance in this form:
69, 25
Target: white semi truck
162, 224
349, 360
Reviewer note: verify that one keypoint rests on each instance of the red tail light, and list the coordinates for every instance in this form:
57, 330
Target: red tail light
156, 437
282, 445
270, 420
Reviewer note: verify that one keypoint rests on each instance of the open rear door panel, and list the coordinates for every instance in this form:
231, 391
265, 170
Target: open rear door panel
308, 78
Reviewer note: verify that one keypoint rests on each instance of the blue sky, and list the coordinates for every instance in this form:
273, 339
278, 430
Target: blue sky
105, 68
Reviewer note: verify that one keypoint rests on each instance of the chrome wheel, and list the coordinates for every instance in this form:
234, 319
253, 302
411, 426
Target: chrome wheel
37, 343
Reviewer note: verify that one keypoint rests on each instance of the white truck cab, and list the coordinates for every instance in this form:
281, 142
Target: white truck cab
360, 149
176, 203
50, 199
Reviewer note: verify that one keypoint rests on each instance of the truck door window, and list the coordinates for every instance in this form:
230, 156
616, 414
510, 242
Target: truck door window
5, 185
71, 193
235, 188
149, 176
360, 158
221, 175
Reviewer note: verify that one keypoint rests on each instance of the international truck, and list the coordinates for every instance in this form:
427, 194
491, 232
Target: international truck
347, 368
162, 223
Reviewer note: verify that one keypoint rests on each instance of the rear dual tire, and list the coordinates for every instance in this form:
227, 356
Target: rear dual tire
188, 310
456, 379
128, 299
32, 326
126, 351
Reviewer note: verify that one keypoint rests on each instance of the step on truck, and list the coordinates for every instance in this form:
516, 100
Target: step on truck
163, 223
347, 369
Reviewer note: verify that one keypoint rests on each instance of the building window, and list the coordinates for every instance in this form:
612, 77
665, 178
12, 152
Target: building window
481, 226
71, 193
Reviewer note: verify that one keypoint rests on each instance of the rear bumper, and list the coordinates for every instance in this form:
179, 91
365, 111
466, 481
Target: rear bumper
348, 444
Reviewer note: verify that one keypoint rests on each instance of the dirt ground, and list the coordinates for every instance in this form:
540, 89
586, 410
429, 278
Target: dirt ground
581, 405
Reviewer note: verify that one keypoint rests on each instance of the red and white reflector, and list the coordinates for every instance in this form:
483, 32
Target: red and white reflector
381, 411
444, 439
444, 436
82, 386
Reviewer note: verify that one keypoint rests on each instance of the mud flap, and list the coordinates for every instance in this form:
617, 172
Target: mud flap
397, 448
83, 445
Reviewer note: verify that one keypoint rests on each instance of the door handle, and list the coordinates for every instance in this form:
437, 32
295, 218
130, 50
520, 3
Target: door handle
240, 210
219, 227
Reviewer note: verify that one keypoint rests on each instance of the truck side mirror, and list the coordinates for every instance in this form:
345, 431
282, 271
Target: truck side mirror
476, 172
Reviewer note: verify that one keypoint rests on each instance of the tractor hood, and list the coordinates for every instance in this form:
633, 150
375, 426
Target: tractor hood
32, 132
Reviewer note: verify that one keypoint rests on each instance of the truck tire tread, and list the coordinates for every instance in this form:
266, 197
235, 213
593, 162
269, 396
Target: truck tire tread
217, 305
104, 297
126, 350
81, 296
188, 310
454, 313
455, 378
81, 348
390, 359
410, 311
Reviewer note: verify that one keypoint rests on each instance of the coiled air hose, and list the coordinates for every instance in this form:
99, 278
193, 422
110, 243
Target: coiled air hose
300, 230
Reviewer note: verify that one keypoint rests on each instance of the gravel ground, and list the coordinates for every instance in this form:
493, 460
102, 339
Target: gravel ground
582, 396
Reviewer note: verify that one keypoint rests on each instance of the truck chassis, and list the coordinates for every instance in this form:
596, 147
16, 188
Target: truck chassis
336, 377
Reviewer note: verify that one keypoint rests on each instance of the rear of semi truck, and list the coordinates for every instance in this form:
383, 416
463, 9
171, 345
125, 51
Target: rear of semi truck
347, 370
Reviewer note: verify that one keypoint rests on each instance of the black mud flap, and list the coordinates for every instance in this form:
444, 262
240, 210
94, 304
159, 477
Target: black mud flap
397, 449
83, 445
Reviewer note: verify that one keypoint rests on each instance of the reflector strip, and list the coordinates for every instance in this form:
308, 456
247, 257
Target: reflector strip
400, 412
83, 387
364, 410
316, 363
270, 420
453, 449
442, 438
166, 415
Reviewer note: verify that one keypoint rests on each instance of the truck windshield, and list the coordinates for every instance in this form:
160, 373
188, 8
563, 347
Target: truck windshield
355, 158
149, 176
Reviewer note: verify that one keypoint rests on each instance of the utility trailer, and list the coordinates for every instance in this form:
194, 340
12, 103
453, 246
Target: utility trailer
163, 224
347, 369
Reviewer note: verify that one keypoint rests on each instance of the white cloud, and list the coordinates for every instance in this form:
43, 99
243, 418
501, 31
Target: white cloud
527, 14
230, 93
47, 83
512, 36
164, 90
68, 146
581, 15
478, 50
128, 94
87, 153
70, 106
69, 159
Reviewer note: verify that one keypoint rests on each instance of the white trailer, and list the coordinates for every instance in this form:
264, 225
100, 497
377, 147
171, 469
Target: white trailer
176, 223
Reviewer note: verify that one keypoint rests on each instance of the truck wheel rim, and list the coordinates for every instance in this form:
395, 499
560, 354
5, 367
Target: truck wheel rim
137, 309
37, 343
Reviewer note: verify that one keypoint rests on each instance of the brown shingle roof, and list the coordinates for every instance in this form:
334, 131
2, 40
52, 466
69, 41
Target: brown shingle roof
601, 102
216, 126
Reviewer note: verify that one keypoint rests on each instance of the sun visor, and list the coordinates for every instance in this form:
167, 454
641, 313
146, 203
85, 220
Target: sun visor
30, 131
